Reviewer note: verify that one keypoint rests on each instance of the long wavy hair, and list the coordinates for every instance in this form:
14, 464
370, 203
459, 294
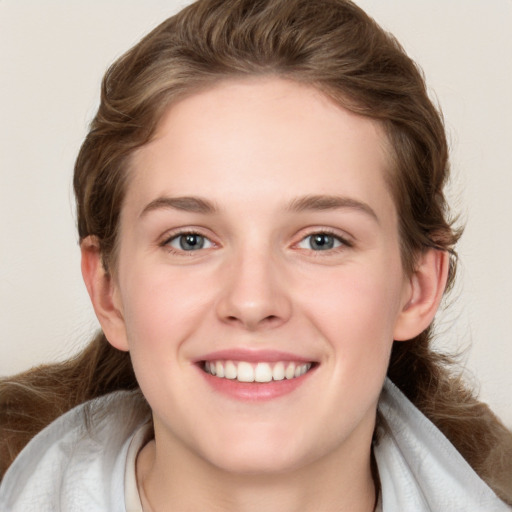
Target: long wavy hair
331, 45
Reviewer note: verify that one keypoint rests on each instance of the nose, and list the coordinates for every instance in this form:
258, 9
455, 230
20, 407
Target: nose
254, 294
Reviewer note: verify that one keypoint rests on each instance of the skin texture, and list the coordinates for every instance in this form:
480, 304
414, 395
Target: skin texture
254, 150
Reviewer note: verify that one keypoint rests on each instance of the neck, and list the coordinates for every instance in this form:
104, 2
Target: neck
333, 483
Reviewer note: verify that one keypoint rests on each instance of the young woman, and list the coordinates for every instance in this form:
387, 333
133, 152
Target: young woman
265, 241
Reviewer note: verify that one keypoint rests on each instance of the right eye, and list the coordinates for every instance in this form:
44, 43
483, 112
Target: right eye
323, 241
320, 242
189, 242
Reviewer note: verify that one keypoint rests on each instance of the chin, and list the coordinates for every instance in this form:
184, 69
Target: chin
260, 454
249, 464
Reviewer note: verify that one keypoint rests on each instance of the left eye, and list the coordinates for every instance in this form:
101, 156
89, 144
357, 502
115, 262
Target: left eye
320, 242
190, 242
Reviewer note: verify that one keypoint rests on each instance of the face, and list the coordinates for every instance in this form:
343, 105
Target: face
259, 243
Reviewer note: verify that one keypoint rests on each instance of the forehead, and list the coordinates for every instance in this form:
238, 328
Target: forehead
244, 138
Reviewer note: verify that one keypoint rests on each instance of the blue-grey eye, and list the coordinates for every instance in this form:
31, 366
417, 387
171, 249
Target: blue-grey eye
320, 242
190, 242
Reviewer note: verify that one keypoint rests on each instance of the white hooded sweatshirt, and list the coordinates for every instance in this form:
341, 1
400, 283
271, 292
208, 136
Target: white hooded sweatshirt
74, 467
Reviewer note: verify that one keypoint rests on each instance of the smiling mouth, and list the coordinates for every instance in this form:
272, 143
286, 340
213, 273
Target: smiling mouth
243, 371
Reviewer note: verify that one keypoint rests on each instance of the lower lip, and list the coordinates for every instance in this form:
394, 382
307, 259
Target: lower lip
255, 391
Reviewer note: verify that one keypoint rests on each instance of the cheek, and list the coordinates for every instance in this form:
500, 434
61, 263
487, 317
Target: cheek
161, 311
161, 305
356, 309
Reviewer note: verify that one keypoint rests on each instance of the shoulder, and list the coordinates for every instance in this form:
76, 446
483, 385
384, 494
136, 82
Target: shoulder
77, 462
419, 468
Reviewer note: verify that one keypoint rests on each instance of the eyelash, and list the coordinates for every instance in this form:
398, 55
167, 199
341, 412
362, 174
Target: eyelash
343, 242
166, 244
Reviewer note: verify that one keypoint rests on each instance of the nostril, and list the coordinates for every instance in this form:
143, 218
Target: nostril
270, 321
264, 322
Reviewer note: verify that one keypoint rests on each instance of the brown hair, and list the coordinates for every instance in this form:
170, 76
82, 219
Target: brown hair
331, 45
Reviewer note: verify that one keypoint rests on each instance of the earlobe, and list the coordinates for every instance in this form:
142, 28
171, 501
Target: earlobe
102, 292
424, 293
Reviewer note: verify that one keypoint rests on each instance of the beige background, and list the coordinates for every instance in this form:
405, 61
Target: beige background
52, 56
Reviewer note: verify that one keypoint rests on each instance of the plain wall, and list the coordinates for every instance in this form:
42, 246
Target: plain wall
52, 57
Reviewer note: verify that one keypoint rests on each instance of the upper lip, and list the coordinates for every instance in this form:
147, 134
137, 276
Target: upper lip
253, 356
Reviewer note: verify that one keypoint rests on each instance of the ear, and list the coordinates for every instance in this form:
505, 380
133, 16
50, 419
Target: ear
423, 294
103, 293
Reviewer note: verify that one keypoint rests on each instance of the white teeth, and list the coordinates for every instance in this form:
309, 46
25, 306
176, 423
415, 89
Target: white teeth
290, 371
260, 372
219, 369
230, 370
263, 373
278, 371
245, 372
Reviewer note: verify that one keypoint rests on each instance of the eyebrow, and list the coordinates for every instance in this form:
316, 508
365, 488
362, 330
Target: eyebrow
301, 204
330, 202
186, 204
